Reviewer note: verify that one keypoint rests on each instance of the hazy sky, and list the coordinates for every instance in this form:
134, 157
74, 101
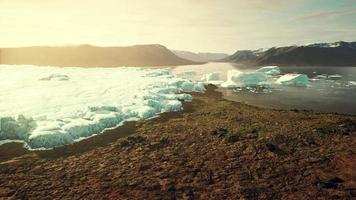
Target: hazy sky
196, 25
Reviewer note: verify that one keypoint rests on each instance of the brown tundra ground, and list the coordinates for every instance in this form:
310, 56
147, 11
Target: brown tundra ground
214, 149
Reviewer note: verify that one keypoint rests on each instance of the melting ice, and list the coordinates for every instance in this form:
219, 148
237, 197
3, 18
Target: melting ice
268, 76
47, 107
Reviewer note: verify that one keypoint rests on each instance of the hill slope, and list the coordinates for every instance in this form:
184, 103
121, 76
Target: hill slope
200, 57
322, 54
244, 56
92, 56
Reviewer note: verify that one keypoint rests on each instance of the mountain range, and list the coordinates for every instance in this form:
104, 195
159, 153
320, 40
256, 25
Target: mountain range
93, 56
200, 57
319, 54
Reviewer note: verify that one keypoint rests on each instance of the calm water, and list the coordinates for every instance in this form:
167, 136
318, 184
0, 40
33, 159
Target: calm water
334, 94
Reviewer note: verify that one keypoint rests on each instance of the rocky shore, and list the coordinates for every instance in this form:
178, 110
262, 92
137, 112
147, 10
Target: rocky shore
214, 149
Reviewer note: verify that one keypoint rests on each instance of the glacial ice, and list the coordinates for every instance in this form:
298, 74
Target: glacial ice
187, 74
46, 107
56, 77
211, 77
335, 77
269, 70
321, 76
250, 78
351, 83
229, 84
293, 80
236, 78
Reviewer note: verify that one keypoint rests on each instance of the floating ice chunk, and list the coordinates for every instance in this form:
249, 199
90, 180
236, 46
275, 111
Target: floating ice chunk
270, 70
199, 87
351, 83
56, 77
246, 79
211, 77
335, 76
158, 73
236, 78
321, 76
187, 74
48, 140
232, 73
172, 105
293, 80
15, 128
188, 86
229, 84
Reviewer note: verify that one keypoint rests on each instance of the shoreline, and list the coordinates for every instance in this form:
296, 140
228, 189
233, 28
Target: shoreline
213, 149
14, 149
225, 95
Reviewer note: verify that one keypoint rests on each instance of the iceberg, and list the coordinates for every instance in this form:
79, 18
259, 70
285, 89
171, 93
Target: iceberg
56, 77
236, 78
321, 76
293, 80
47, 107
229, 84
351, 83
187, 74
211, 77
250, 78
335, 77
233, 73
270, 70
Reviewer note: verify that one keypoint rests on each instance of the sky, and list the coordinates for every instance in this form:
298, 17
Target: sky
194, 25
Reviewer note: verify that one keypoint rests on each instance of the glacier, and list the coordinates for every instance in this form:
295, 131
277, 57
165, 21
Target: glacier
47, 107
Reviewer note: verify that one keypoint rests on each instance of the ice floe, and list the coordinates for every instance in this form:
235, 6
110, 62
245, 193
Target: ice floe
263, 79
46, 107
335, 77
351, 83
293, 80
321, 76
56, 77
211, 77
269, 70
237, 78
187, 74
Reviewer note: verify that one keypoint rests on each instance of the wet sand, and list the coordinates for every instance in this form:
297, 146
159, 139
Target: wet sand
214, 149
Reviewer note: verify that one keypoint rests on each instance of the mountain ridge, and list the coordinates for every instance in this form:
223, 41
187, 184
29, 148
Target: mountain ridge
318, 54
201, 56
87, 55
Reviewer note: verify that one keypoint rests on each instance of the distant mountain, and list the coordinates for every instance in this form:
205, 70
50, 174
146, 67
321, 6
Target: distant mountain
200, 57
245, 56
334, 44
93, 56
320, 54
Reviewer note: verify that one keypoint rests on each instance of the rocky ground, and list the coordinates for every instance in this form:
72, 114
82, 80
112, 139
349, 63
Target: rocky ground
215, 149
